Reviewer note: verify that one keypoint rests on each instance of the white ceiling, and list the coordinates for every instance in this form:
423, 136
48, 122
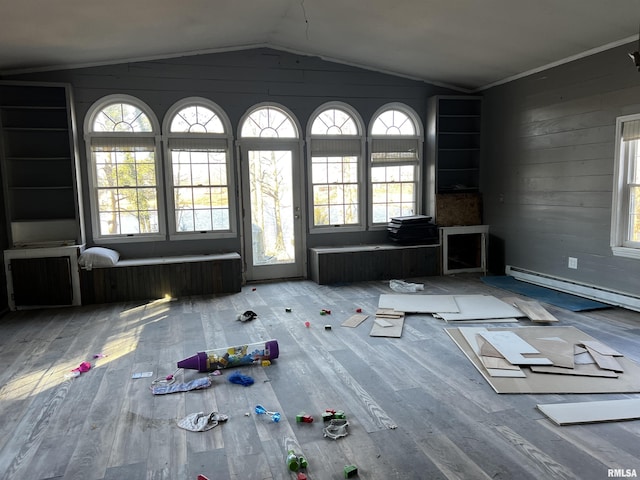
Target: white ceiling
467, 44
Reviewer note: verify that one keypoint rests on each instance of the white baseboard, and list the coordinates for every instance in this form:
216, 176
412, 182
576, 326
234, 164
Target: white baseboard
610, 297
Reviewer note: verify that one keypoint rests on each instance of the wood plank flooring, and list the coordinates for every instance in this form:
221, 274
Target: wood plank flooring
416, 406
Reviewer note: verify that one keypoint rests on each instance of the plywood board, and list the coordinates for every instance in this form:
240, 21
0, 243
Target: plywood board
602, 349
355, 320
513, 348
627, 382
480, 306
419, 303
590, 412
394, 330
555, 349
606, 362
532, 309
453, 209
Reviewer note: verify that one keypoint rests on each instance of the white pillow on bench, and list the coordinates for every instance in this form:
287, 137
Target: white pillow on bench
98, 257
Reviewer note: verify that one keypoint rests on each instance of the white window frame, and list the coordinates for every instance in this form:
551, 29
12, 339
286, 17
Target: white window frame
153, 136
313, 141
417, 139
625, 158
224, 139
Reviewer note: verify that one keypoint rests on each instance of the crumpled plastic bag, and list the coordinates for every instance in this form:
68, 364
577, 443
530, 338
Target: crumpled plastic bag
201, 422
337, 428
197, 384
405, 287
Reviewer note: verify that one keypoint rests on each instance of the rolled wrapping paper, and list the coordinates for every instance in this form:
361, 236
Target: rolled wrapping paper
249, 354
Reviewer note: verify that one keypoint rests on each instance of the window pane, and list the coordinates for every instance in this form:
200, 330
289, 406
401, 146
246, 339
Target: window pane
407, 173
319, 172
185, 221
380, 213
378, 174
220, 219
181, 174
334, 170
336, 215
200, 174
203, 220
321, 215
183, 198
218, 174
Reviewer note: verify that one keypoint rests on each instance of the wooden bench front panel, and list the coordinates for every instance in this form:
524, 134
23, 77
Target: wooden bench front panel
353, 264
148, 282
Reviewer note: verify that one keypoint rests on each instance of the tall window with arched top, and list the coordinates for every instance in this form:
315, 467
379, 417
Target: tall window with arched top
395, 160
335, 147
121, 134
198, 144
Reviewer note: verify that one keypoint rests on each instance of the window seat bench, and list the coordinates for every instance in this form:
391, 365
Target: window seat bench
354, 263
153, 278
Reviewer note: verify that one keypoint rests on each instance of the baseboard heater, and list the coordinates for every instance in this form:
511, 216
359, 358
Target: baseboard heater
592, 292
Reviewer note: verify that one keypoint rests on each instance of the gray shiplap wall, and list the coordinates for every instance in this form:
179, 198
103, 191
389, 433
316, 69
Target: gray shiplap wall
237, 81
547, 170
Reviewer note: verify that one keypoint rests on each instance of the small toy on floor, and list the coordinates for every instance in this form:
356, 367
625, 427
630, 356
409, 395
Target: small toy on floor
247, 316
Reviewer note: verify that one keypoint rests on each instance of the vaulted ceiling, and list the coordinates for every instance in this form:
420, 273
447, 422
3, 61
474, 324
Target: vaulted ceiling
465, 44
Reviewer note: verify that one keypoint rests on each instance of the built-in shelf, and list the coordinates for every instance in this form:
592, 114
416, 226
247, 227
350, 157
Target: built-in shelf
453, 141
39, 163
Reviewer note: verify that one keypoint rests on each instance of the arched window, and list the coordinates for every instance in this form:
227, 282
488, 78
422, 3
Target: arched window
125, 188
395, 161
268, 122
199, 157
335, 147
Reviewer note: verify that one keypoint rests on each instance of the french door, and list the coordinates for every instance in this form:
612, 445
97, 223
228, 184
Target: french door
271, 197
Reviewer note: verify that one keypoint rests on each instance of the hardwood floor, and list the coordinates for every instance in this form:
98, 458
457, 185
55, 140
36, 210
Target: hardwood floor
416, 406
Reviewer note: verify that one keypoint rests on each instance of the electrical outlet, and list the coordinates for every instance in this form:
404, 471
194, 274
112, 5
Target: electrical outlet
573, 262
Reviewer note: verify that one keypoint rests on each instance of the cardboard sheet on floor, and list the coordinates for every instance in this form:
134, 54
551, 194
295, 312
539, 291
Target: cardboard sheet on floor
473, 307
417, 303
590, 412
393, 330
627, 382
